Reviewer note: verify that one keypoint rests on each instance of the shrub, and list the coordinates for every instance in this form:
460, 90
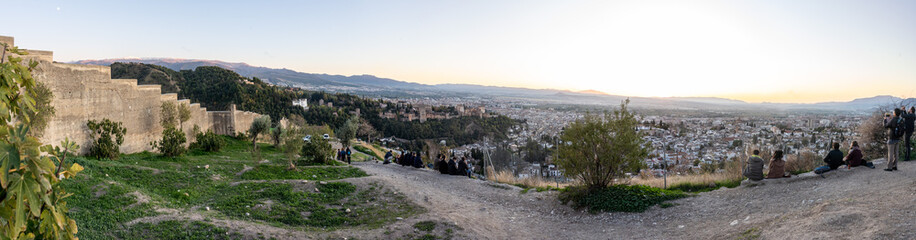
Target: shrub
172, 143
107, 137
618, 198
318, 150
599, 149
208, 141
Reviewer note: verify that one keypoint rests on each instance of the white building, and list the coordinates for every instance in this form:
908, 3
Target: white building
304, 103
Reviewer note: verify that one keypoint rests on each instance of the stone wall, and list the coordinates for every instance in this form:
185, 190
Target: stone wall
87, 92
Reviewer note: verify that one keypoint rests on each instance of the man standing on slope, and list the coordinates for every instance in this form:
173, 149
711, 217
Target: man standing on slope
908, 120
892, 138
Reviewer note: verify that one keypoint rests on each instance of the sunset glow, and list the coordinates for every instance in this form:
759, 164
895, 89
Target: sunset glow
764, 51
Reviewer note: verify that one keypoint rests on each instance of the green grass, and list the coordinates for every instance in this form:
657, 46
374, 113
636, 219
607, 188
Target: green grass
426, 226
185, 230
750, 234
698, 187
272, 172
618, 198
368, 152
104, 200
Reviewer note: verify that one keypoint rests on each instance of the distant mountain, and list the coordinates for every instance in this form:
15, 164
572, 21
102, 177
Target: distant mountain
369, 85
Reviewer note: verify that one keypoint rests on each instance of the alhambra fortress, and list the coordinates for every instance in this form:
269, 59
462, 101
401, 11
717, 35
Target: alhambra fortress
87, 92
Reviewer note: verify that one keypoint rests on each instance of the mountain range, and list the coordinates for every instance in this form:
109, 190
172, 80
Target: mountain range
372, 86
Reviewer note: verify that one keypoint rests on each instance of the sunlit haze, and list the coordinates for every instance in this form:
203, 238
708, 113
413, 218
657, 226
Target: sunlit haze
757, 51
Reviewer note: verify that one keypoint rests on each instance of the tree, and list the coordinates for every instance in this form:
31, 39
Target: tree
366, 129
32, 204
597, 149
276, 134
347, 131
318, 149
168, 114
292, 145
184, 114
260, 125
38, 119
107, 137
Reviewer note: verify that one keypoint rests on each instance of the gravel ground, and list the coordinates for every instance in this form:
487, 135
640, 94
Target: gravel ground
860, 203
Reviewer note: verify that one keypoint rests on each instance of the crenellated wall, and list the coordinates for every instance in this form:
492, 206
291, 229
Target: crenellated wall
87, 92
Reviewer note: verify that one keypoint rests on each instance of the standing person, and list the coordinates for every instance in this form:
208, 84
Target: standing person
908, 120
754, 168
892, 123
834, 160
777, 166
348, 155
854, 159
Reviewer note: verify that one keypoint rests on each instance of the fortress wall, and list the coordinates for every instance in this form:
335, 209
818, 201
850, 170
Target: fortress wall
7, 40
87, 92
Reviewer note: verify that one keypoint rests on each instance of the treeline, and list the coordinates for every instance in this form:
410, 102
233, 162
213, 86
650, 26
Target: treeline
216, 89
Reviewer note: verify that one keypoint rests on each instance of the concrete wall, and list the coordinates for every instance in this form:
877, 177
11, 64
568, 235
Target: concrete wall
87, 92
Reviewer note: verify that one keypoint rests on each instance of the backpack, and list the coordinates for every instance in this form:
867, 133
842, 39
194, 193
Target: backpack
900, 129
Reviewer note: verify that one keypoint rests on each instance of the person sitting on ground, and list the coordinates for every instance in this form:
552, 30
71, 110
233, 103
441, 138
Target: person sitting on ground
834, 160
443, 166
777, 166
452, 167
854, 159
754, 168
417, 161
388, 156
462, 167
402, 157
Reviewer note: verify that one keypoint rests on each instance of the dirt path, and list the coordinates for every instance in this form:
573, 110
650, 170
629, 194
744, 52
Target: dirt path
848, 204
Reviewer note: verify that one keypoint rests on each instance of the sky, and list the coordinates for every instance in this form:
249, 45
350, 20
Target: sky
798, 51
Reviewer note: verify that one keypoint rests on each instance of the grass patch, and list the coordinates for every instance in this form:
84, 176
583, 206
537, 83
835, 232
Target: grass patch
618, 198
368, 151
750, 234
274, 172
426, 226
700, 187
108, 194
178, 230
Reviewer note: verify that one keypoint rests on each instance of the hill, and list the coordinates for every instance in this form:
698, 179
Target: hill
372, 86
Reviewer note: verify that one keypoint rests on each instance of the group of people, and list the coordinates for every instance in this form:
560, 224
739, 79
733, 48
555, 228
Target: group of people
406, 159
343, 155
899, 128
454, 166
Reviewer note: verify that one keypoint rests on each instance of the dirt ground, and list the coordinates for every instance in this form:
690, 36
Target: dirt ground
860, 203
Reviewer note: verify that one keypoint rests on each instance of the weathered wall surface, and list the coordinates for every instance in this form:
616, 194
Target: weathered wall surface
87, 92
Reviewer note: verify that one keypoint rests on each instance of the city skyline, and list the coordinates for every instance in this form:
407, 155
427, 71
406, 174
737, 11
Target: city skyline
782, 51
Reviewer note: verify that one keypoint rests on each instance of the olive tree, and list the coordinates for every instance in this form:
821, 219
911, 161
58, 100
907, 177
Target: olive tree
260, 125
596, 149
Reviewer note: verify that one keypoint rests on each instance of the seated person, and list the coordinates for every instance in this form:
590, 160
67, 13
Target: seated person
854, 159
463, 167
443, 166
754, 168
452, 167
777, 166
834, 160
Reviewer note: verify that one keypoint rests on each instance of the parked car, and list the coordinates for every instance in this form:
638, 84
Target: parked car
326, 136
307, 138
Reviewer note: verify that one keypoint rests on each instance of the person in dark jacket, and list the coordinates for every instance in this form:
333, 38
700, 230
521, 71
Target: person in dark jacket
388, 156
908, 120
452, 167
441, 165
463, 167
834, 160
754, 168
891, 123
417, 161
855, 158
348, 155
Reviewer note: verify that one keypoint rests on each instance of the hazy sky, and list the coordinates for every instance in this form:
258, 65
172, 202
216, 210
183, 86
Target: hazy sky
775, 51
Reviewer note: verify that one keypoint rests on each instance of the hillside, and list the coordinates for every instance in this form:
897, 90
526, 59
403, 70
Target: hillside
860, 203
369, 85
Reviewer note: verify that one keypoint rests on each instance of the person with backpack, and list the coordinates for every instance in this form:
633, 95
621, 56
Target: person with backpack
348, 155
834, 160
908, 121
754, 168
895, 131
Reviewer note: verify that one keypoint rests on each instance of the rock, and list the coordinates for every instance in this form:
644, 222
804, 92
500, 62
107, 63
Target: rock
208, 208
680, 226
313, 176
322, 182
348, 210
734, 223
399, 218
247, 214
